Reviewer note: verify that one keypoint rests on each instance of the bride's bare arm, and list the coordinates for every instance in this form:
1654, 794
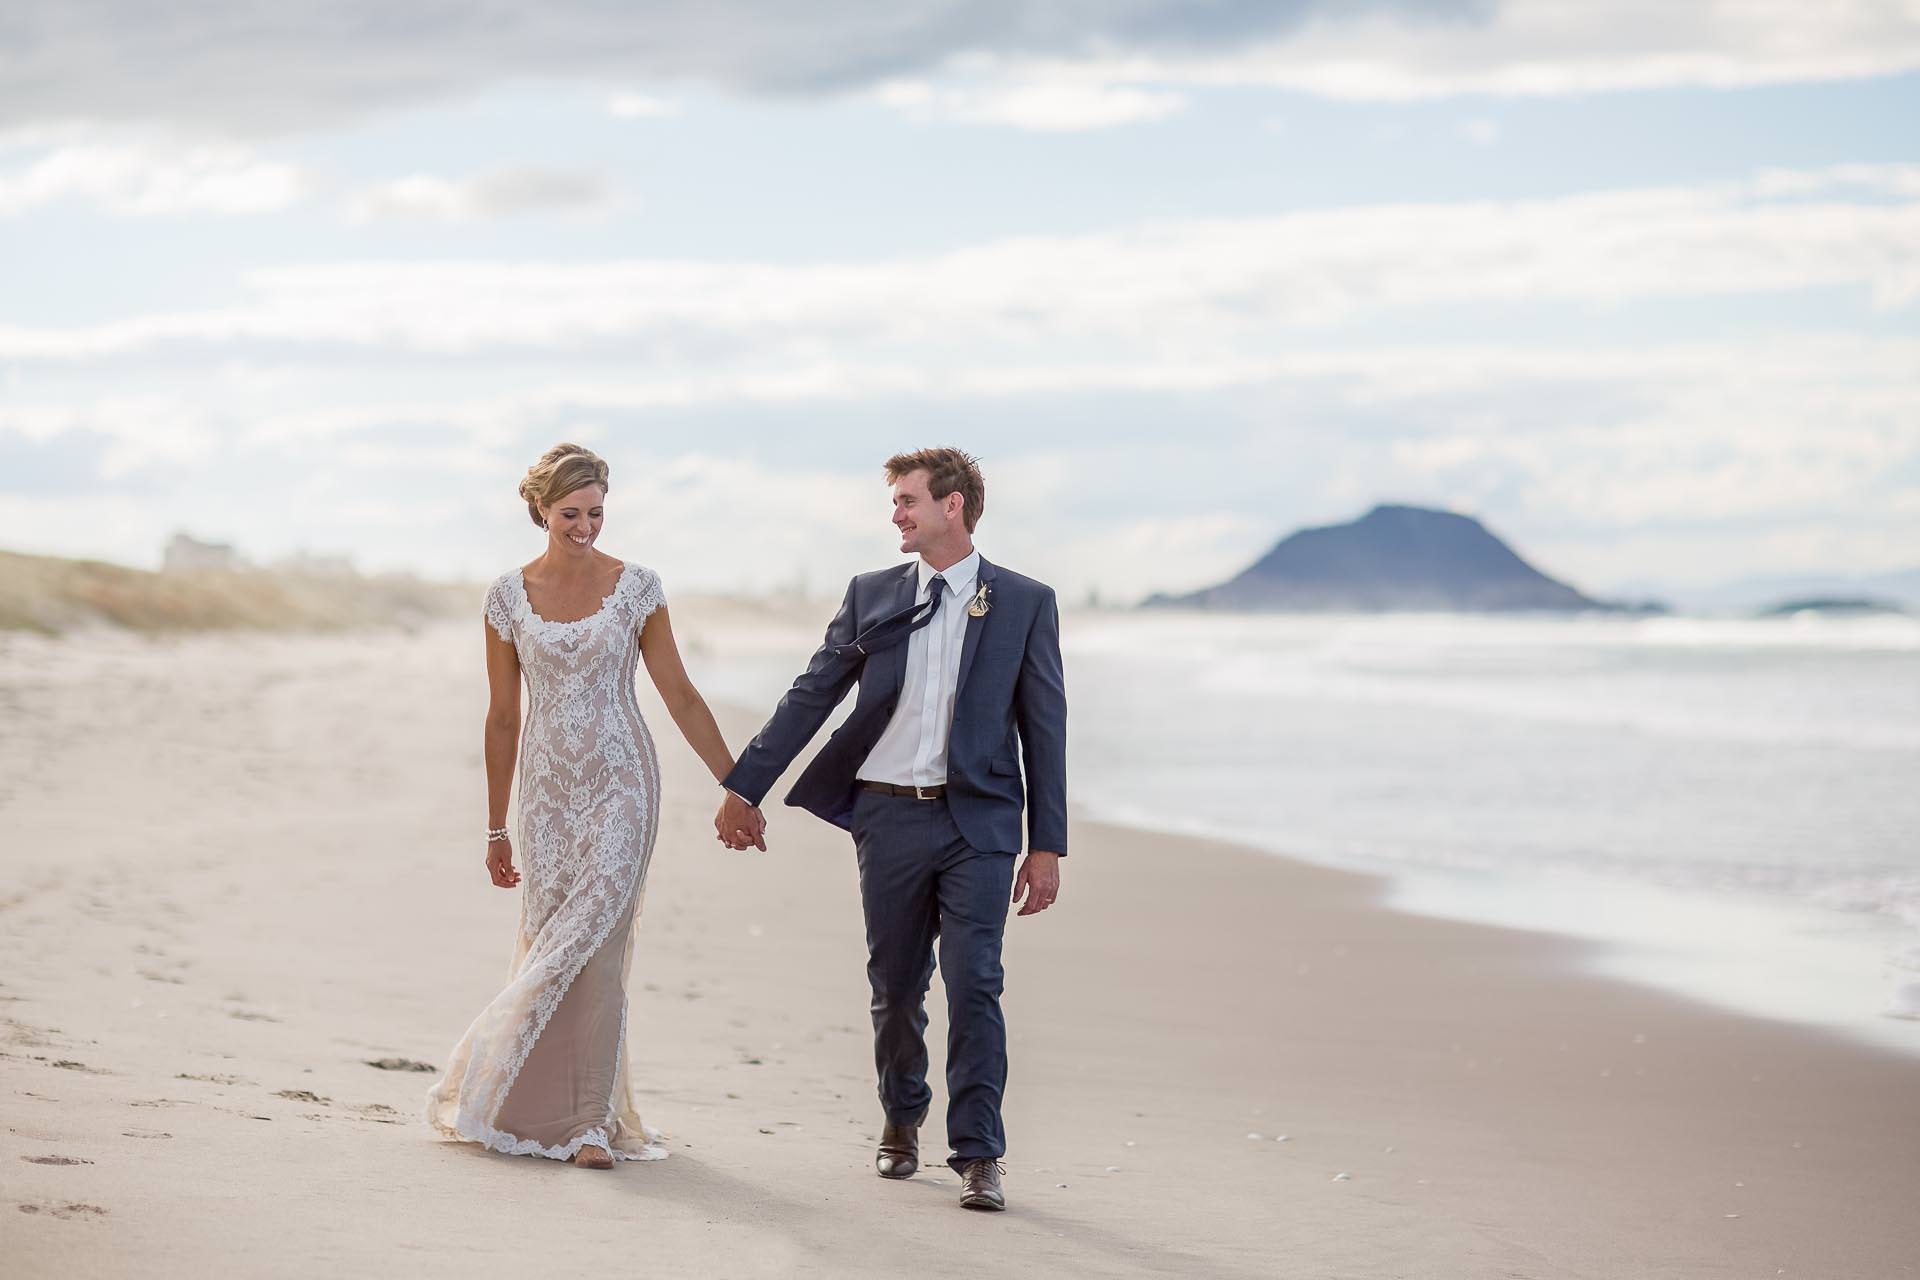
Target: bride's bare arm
502, 739
684, 703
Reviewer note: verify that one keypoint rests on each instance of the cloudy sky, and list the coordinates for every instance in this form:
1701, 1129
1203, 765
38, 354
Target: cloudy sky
1637, 283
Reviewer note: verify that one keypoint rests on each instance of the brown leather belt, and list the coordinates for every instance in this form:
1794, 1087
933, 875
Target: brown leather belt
911, 793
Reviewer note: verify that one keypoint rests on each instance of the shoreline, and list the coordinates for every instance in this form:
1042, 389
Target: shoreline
1776, 934
240, 868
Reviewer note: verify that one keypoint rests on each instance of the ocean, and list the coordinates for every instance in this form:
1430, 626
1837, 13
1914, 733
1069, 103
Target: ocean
1727, 809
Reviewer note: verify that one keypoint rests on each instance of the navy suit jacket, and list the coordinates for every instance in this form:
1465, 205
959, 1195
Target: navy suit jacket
1010, 704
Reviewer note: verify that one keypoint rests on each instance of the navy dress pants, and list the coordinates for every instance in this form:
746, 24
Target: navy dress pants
920, 881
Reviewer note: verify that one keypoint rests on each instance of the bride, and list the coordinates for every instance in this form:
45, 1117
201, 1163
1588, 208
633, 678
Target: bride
543, 1070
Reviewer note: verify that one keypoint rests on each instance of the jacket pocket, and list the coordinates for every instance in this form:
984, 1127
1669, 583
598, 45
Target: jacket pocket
1004, 764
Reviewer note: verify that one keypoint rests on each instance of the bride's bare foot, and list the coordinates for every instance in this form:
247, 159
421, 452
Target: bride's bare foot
590, 1157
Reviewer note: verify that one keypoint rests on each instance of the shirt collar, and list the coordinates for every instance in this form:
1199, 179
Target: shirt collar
959, 577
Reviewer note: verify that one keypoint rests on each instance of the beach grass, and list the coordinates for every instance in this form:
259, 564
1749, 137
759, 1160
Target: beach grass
51, 595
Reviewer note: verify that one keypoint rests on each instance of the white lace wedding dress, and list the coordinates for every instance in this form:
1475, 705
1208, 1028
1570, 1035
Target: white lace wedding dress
543, 1069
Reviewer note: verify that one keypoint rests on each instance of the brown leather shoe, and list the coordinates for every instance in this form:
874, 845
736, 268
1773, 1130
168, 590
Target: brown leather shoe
898, 1155
980, 1185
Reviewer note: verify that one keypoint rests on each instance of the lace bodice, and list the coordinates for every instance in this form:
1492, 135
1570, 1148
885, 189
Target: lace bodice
636, 593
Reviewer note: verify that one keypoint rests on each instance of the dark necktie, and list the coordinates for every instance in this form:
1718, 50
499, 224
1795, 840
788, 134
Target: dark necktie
891, 630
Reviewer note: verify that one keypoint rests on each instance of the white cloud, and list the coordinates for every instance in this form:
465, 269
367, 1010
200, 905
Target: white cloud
640, 106
1056, 106
1194, 290
135, 433
1537, 48
151, 179
94, 59
1898, 180
1760, 432
1847, 543
1585, 453
505, 193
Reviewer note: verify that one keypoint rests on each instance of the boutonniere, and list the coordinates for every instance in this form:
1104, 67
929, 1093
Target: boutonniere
981, 602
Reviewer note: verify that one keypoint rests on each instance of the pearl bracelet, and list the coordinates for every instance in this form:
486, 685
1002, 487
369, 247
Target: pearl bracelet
495, 834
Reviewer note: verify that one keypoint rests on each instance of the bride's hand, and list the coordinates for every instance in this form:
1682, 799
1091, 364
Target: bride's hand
500, 864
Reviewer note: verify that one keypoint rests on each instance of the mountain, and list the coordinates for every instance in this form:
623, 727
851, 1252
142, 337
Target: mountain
1392, 558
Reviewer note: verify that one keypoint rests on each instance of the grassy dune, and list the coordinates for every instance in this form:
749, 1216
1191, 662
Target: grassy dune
48, 594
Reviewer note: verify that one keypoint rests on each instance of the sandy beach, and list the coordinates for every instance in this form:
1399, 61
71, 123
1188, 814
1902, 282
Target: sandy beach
241, 869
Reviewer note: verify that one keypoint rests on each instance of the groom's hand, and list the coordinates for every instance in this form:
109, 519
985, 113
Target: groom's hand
1039, 880
739, 824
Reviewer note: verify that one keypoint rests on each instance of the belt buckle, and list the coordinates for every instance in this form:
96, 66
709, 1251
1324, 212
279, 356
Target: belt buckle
919, 794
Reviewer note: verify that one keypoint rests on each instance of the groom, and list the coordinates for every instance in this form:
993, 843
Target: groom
958, 663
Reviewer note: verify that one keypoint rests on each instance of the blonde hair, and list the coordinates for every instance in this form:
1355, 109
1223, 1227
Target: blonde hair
560, 471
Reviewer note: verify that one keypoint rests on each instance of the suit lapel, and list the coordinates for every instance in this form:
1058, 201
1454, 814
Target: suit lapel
975, 626
904, 594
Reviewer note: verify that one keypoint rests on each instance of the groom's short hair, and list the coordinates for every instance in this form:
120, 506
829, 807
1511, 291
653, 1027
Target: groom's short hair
948, 471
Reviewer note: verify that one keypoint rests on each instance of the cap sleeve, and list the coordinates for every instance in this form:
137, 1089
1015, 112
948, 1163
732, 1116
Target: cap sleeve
648, 594
499, 608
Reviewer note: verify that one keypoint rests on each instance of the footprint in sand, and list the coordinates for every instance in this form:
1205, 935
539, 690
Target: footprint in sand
144, 1133
301, 1095
14, 1031
214, 1079
71, 1209
68, 1064
55, 1160
251, 1015
399, 1064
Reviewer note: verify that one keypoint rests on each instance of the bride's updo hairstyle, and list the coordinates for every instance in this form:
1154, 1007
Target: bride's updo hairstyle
560, 471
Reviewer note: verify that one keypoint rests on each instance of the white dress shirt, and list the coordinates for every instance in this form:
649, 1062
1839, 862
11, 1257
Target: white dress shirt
912, 752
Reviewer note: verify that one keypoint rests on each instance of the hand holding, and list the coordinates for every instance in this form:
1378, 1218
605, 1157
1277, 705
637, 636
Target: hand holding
756, 834
739, 824
1039, 880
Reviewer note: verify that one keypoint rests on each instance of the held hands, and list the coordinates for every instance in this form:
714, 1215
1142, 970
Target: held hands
500, 864
1039, 880
739, 825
